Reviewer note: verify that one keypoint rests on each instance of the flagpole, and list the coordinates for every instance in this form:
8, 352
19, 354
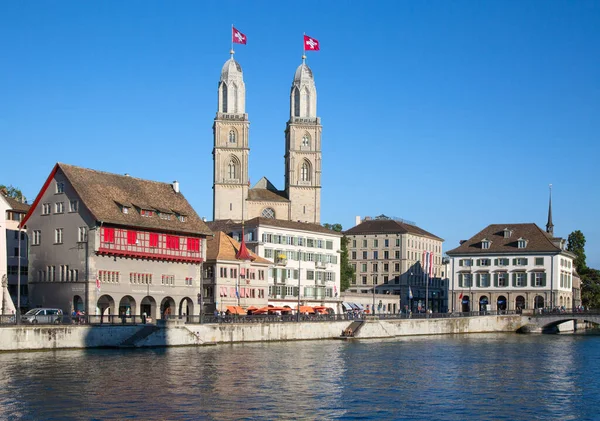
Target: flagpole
231, 51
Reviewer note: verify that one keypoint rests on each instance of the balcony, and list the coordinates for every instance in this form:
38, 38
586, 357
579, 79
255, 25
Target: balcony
281, 260
320, 265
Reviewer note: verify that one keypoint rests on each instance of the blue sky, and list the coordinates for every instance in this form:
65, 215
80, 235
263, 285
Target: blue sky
452, 114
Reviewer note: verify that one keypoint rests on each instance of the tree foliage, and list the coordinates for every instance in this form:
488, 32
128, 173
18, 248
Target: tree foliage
346, 271
590, 289
576, 245
13, 192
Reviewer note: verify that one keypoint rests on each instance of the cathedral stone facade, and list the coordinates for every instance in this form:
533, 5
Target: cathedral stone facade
233, 198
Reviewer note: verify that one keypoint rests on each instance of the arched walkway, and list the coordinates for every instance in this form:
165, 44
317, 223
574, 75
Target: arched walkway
520, 303
78, 303
501, 303
186, 307
466, 304
148, 306
538, 302
167, 307
127, 306
483, 302
106, 305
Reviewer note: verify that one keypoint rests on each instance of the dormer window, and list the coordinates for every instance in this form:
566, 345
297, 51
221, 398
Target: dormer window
164, 215
507, 233
522, 243
125, 209
146, 212
485, 244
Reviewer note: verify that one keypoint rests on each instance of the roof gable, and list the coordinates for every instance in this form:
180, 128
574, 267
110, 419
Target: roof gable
223, 247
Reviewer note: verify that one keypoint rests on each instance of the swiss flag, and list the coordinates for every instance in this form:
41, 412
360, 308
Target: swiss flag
237, 37
460, 296
310, 44
98, 284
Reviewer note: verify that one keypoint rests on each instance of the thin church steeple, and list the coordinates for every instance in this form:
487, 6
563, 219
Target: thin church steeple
550, 225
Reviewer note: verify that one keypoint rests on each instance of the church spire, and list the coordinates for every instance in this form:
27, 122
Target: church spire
550, 225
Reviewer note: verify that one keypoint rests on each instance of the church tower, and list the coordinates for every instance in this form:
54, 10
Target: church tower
303, 149
230, 152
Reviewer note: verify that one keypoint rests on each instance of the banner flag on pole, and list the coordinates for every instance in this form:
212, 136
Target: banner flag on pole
237, 37
410, 296
310, 44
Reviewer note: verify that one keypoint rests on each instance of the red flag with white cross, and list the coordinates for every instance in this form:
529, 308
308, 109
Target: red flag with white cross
237, 37
310, 44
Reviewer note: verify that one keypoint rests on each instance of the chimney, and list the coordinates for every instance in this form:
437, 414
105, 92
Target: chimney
357, 220
126, 174
462, 242
176, 186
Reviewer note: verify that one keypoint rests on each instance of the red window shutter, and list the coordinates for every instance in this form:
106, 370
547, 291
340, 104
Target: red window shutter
193, 244
131, 237
153, 240
173, 242
109, 235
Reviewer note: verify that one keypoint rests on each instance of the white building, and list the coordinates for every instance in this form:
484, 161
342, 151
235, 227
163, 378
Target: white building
13, 247
305, 255
511, 267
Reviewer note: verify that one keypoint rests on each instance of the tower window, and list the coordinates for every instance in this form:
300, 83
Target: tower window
305, 172
224, 97
296, 102
231, 170
306, 140
232, 136
268, 213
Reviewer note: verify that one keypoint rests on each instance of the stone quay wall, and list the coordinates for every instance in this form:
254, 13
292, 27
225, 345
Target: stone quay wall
174, 333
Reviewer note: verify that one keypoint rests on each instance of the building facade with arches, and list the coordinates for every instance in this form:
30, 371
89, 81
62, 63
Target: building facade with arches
511, 267
233, 197
111, 244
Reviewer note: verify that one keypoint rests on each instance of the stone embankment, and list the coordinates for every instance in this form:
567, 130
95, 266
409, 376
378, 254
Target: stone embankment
174, 333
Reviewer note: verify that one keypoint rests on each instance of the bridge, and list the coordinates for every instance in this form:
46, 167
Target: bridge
548, 322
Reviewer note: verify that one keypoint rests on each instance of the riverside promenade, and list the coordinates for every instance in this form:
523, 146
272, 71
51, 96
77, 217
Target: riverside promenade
177, 332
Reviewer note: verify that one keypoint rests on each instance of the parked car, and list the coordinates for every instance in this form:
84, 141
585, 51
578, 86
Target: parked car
42, 315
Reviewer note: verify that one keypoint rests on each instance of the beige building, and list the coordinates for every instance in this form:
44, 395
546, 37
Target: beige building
389, 255
300, 200
231, 281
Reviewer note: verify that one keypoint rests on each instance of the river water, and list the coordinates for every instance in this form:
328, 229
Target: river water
449, 377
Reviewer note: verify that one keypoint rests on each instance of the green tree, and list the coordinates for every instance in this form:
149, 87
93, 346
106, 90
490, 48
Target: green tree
576, 245
13, 192
346, 271
590, 289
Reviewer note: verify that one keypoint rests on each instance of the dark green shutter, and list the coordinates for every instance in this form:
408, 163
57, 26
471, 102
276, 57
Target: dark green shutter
526, 261
532, 282
514, 281
514, 262
544, 279
495, 262
460, 262
460, 280
496, 280
478, 277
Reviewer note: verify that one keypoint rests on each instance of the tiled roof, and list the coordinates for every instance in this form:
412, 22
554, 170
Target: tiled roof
537, 240
388, 226
266, 195
223, 247
228, 225
102, 192
16, 205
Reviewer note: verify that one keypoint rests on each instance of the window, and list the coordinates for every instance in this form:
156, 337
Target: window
364, 243
539, 279
125, 209
231, 170
507, 233
181, 218
164, 215
59, 207
58, 236
270, 213
520, 261
364, 280
172, 242
386, 243
396, 267
522, 243
364, 267
306, 140
73, 206
375, 255
503, 279
109, 235
60, 187
232, 136
485, 244
37, 236
146, 213
82, 235
305, 172
193, 244
51, 273
329, 245
168, 280
467, 280
310, 242
46, 208
386, 254
485, 280
520, 279
539, 261
131, 237
465, 262
375, 243
502, 262
397, 254
375, 267
153, 239
484, 262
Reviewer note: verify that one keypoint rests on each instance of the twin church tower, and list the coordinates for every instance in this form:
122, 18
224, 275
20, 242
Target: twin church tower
232, 196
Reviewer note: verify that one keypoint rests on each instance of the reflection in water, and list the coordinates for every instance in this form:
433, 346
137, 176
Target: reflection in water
458, 377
